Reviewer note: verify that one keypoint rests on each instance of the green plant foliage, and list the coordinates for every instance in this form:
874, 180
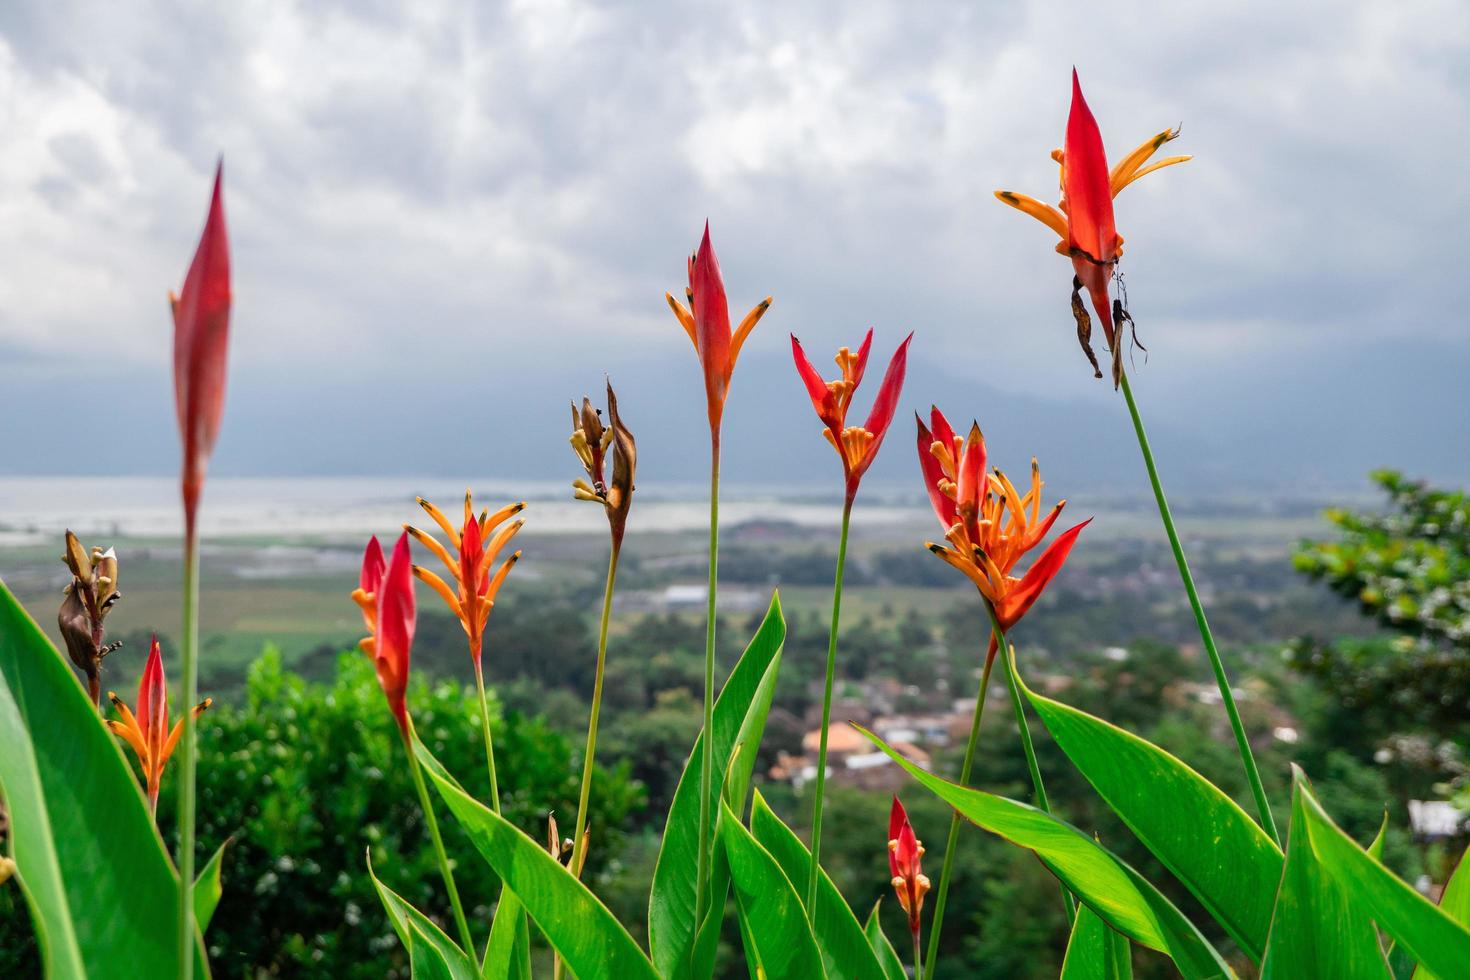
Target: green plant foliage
207, 889
1410, 567
1200, 834
432, 953
593, 944
100, 888
1455, 902
774, 921
846, 952
1317, 929
882, 949
739, 716
1095, 952
1117, 893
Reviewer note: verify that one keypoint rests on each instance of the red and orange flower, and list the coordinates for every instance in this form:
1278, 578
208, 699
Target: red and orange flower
707, 322
1084, 218
857, 445
147, 732
904, 854
385, 596
988, 523
473, 594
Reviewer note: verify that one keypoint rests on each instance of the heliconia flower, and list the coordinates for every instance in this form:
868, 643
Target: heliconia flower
707, 321
904, 854
147, 731
857, 445
394, 615
594, 443
1084, 217
201, 340
473, 594
365, 595
87, 599
988, 523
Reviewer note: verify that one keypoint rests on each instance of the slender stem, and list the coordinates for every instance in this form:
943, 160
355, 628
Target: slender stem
187, 754
467, 941
1247, 759
578, 846
942, 895
485, 731
1042, 803
811, 885
706, 773
918, 960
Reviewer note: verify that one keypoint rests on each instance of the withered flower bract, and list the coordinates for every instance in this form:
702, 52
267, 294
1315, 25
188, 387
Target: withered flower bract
88, 598
594, 443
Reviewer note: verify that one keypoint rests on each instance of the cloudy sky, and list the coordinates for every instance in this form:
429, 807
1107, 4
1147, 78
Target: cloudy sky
448, 218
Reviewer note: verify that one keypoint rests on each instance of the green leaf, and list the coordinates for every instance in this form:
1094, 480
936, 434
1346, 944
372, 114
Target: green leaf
1455, 902
431, 953
208, 889
775, 921
1201, 835
845, 949
739, 717
1119, 895
1317, 929
590, 940
102, 891
1427, 934
882, 948
1096, 952
1375, 847
508, 951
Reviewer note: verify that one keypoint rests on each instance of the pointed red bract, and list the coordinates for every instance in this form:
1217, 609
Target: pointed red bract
1020, 600
397, 616
1085, 184
471, 552
884, 405
970, 481
711, 324
933, 472
898, 819
816, 388
153, 700
373, 566
201, 340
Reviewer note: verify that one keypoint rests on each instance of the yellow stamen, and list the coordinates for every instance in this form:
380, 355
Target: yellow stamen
438, 585
494, 520
427, 540
746, 326
1160, 165
439, 519
686, 319
1126, 169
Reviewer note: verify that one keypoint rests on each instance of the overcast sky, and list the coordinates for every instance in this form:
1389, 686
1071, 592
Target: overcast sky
448, 218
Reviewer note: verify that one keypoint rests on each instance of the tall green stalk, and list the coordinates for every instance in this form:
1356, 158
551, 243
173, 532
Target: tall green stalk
941, 895
706, 775
578, 846
1242, 744
187, 754
811, 885
1042, 803
918, 960
466, 940
485, 730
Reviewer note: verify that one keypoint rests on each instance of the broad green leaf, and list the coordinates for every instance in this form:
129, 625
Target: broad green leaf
1428, 935
882, 948
1095, 952
431, 953
1455, 902
508, 951
845, 950
1201, 835
1317, 929
208, 889
1400, 963
591, 942
739, 717
1117, 893
775, 922
102, 891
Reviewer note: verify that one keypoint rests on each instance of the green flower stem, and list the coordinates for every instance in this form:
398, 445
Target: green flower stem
578, 845
811, 885
941, 895
1042, 803
187, 755
706, 774
467, 941
918, 960
485, 729
1247, 759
